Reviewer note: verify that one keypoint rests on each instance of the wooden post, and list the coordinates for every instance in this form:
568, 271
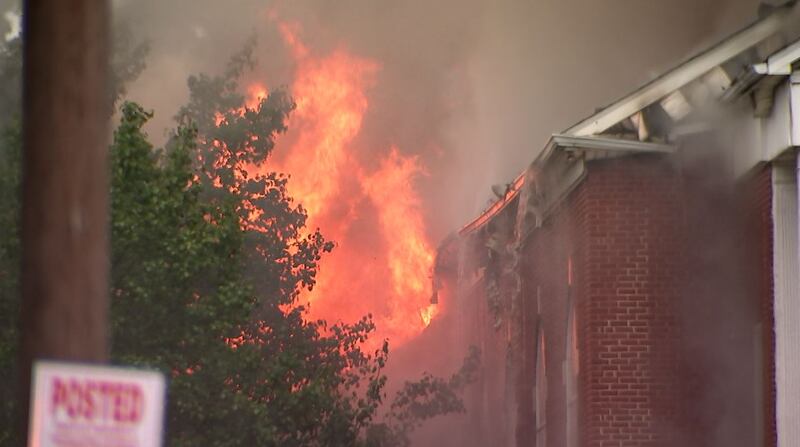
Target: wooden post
65, 186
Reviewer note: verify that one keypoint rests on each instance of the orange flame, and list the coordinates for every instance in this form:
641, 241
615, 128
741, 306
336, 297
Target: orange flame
410, 255
383, 259
255, 93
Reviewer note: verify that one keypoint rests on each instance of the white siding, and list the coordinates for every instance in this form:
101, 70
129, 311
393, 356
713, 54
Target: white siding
752, 140
787, 305
777, 128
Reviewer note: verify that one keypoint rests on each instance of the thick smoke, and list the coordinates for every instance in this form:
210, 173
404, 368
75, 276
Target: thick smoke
473, 87
9, 19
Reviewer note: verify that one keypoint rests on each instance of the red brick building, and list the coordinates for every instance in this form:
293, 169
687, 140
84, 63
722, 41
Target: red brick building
638, 284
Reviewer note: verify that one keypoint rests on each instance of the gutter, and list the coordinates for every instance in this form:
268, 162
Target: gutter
495, 209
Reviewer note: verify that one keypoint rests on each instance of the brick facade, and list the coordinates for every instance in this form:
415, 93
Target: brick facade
629, 220
546, 291
621, 230
657, 258
664, 257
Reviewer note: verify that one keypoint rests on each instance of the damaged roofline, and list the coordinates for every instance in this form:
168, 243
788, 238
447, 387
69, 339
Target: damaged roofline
496, 207
568, 169
561, 166
685, 73
569, 144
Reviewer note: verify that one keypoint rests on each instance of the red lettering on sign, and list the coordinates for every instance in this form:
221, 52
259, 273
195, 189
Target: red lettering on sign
96, 402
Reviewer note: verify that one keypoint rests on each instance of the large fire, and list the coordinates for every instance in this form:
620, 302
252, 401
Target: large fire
382, 263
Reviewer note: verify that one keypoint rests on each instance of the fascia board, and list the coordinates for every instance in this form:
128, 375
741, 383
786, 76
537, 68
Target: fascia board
684, 74
569, 143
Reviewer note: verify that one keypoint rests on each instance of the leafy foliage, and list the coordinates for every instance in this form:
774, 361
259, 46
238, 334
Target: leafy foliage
10, 81
206, 292
207, 264
422, 400
9, 273
10, 171
127, 62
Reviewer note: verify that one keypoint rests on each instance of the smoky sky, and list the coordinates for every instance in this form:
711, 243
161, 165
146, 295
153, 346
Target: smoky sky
473, 87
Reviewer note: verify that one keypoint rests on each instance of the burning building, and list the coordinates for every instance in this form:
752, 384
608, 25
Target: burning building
637, 284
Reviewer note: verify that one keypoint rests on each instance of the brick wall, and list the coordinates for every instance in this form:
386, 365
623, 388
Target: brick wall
545, 266
622, 230
667, 295
629, 221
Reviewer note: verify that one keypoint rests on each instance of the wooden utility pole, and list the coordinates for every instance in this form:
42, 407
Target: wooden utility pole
65, 185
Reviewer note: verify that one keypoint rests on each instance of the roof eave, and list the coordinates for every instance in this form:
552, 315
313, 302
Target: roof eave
685, 73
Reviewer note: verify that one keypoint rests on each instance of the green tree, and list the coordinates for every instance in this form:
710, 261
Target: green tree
206, 266
9, 274
127, 63
421, 400
187, 265
10, 163
10, 81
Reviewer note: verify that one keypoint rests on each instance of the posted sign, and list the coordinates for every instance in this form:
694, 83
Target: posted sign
95, 406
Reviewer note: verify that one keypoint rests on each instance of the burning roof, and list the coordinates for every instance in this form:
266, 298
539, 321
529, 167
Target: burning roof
652, 117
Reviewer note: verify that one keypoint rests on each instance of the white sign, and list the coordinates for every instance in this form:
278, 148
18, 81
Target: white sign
95, 406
